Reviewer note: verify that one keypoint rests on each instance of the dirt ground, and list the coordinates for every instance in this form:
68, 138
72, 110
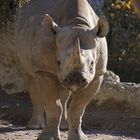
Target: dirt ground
109, 121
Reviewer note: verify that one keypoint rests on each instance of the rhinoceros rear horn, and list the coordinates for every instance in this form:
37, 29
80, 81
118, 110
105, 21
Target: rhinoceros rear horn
50, 24
103, 27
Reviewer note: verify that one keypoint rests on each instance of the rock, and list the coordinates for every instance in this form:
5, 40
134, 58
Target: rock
110, 76
11, 75
113, 89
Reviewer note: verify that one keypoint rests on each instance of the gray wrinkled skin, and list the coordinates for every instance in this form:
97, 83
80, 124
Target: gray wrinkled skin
62, 48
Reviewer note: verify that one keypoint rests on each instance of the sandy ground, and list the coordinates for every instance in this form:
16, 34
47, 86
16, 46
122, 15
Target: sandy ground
109, 121
20, 133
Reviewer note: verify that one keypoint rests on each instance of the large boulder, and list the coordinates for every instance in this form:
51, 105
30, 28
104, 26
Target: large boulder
113, 89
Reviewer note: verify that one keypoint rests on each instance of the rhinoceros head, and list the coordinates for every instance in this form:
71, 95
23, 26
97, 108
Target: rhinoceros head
77, 49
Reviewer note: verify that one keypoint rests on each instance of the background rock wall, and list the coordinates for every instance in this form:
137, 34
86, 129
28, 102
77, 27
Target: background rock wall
11, 78
11, 74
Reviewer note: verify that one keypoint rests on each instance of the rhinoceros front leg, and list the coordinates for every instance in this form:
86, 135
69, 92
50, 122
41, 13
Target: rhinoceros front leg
64, 97
37, 121
77, 109
49, 90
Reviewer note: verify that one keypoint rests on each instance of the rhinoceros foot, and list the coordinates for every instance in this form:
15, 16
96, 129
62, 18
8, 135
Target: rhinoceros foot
77, 135
36, 123
46, 136
83, 136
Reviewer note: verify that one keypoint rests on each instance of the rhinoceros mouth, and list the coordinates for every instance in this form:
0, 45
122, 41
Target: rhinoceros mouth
75, 88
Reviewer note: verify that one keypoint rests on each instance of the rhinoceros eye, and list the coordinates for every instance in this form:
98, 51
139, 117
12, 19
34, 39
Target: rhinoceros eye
58, 63
92, 63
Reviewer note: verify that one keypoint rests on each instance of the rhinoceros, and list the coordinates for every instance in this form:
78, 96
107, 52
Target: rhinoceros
63, 50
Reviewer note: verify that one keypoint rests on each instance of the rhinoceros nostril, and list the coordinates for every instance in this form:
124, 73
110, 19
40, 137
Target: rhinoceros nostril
83, 81
92, 63
66, 81
58, 63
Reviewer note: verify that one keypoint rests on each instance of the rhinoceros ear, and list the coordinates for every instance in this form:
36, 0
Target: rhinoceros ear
103, 27
50, 24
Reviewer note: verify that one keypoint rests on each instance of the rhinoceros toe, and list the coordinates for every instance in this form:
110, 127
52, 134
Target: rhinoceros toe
35, 123
45, 136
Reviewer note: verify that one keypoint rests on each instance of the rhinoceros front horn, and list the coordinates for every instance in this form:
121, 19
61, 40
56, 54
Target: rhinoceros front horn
77, 52
77, 47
